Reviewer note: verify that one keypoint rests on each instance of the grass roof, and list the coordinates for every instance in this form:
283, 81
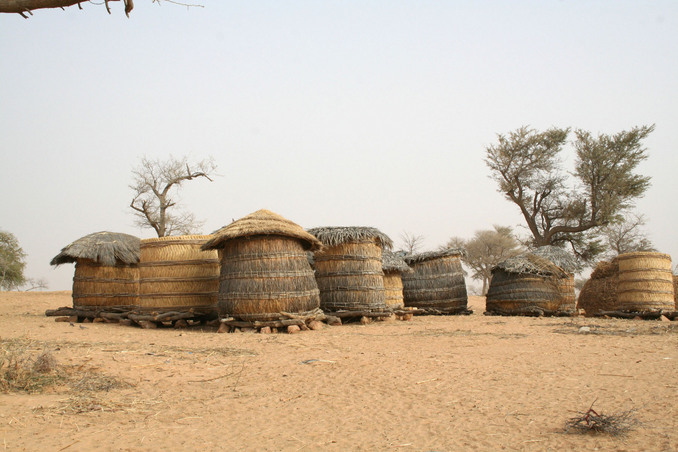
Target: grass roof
427, 256
530, 263
337, 235
262, 222
392, 262
106, 248
558, 256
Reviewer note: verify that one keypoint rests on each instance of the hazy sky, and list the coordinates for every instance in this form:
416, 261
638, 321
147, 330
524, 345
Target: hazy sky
330, 113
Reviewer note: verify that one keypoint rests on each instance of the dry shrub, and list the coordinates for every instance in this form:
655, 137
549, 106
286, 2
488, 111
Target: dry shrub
20, 371
592, 422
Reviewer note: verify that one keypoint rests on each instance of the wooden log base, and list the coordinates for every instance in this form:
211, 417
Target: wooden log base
650, 315
532, 312
435, 311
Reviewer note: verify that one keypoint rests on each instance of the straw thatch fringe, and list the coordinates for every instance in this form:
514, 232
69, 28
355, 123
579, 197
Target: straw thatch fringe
430, 255
529, 263
436, 285
558, 256
262, 222
104, 248
338, 235
392, 262
265, 276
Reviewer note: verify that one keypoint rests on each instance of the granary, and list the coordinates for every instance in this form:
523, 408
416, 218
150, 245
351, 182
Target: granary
393, 266
529, 284
436, 285
177, 279
106, 273
599, 293
349, 270
645, 283
265, 272
565, 285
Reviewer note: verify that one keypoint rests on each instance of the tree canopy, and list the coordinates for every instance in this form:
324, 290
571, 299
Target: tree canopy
486, 249
564, 210
154, 187
12, 262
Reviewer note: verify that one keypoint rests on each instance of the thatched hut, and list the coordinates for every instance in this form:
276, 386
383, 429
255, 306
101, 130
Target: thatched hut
348, 269
393, 266
265, 271
436, 284
176, 275
645, 282
528, 284
600, 290
565, 285
106, 272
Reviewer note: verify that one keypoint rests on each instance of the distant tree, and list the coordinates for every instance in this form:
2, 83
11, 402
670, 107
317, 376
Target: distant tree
526, 165
411, 243
24, 7
34, 284
486, 249
626, 235
12, 262
153, 203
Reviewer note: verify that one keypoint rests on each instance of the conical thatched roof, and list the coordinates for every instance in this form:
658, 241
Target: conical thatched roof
391, 262
529, 263
427, 256
558, 256
105, 248
337, 235
262, 222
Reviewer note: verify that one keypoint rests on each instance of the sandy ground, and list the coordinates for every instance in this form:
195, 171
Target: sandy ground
431, 384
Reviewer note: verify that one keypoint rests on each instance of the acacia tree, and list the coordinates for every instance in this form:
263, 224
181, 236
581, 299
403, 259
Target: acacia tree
24, 7
12, 262
560, 210
154, 181
486, 249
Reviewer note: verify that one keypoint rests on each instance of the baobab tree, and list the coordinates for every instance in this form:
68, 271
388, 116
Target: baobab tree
154, 182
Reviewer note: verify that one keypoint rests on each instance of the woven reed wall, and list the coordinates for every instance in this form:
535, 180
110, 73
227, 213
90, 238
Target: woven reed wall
174, 273
516, 292
600, 291
645, 282
262, 276
350, 277
675, 290
436, 283
393, 290
568, 299
99, 285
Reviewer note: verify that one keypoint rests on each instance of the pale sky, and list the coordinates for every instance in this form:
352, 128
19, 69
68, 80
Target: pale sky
330, 113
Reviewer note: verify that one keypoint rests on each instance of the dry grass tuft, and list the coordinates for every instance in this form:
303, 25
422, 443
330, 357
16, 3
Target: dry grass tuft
592, 422
20, 371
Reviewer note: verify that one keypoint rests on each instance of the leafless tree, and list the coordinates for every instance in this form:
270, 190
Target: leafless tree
411, 243
35, 284
154, 181
627, 236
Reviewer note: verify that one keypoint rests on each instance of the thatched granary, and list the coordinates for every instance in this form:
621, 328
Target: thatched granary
436, 285
265, 271
393, 266
600, 290
106, 272
176, 275
567, 262
645, 282
528, 284
348, 269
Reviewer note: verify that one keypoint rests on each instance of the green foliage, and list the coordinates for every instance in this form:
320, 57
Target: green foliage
562, 210
485, 250
12, 262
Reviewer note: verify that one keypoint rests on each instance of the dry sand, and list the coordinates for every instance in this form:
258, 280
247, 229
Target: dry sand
435, 383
